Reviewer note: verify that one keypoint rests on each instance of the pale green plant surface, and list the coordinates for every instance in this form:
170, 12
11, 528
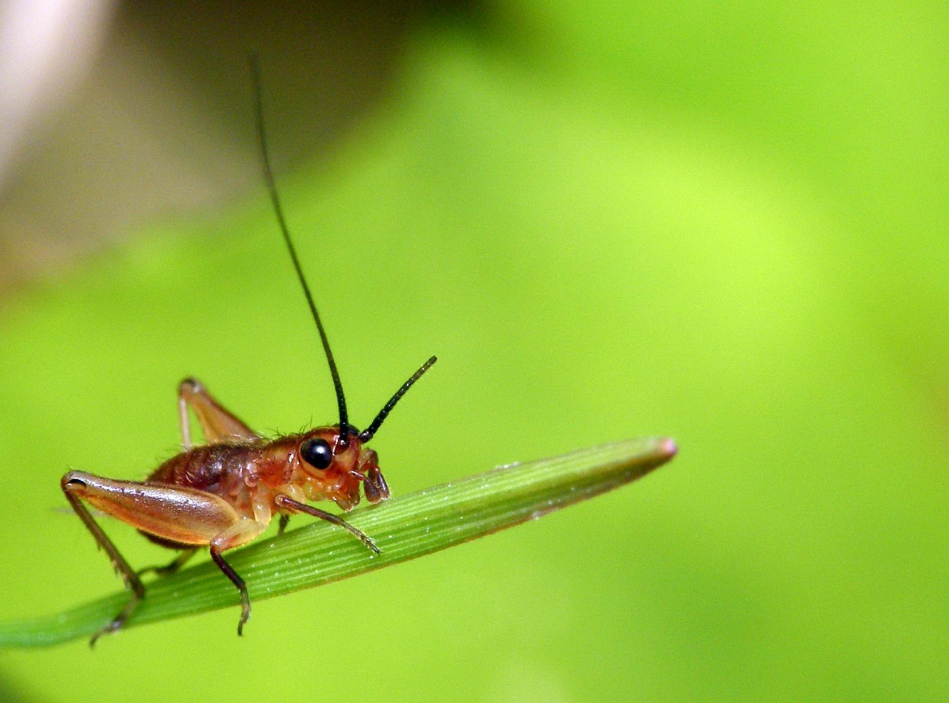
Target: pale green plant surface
721, 221
404, 528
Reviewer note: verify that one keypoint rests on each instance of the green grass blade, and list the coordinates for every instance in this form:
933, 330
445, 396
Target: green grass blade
404, 528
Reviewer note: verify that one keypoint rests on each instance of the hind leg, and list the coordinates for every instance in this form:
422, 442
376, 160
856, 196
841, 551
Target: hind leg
132, 581
217, 423
183, 515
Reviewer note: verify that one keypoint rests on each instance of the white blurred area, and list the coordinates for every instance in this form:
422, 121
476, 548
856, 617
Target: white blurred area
117, 114
45, 47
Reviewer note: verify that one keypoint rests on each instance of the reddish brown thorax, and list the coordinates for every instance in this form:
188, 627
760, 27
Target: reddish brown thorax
241, 472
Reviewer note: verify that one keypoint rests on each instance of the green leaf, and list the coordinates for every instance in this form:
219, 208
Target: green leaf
404, 528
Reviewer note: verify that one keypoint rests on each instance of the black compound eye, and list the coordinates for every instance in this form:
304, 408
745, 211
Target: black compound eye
317, 453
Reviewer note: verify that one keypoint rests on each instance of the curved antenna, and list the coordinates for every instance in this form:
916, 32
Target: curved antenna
367, 433
344, 426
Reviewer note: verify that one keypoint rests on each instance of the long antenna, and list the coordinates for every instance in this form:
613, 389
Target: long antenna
367, 433
344, 427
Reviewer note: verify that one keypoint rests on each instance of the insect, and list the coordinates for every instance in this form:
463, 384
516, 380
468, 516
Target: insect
225, 493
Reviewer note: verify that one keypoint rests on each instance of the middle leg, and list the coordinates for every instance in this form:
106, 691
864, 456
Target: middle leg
240, 533
171, 568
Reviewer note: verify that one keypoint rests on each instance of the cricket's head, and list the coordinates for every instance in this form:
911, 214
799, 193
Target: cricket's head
333, 457
337, 467
337, 461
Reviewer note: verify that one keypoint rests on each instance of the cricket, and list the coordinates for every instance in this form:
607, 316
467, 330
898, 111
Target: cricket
224, 494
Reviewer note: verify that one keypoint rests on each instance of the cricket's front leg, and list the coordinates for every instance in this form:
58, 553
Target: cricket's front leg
183, 515
287, 503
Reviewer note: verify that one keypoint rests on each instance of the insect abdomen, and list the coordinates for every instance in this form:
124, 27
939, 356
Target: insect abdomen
205, 467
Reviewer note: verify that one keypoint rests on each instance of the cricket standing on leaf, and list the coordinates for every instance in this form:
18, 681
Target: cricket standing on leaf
225, 493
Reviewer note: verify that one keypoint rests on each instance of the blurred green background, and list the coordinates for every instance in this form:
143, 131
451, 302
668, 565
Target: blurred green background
722, 222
